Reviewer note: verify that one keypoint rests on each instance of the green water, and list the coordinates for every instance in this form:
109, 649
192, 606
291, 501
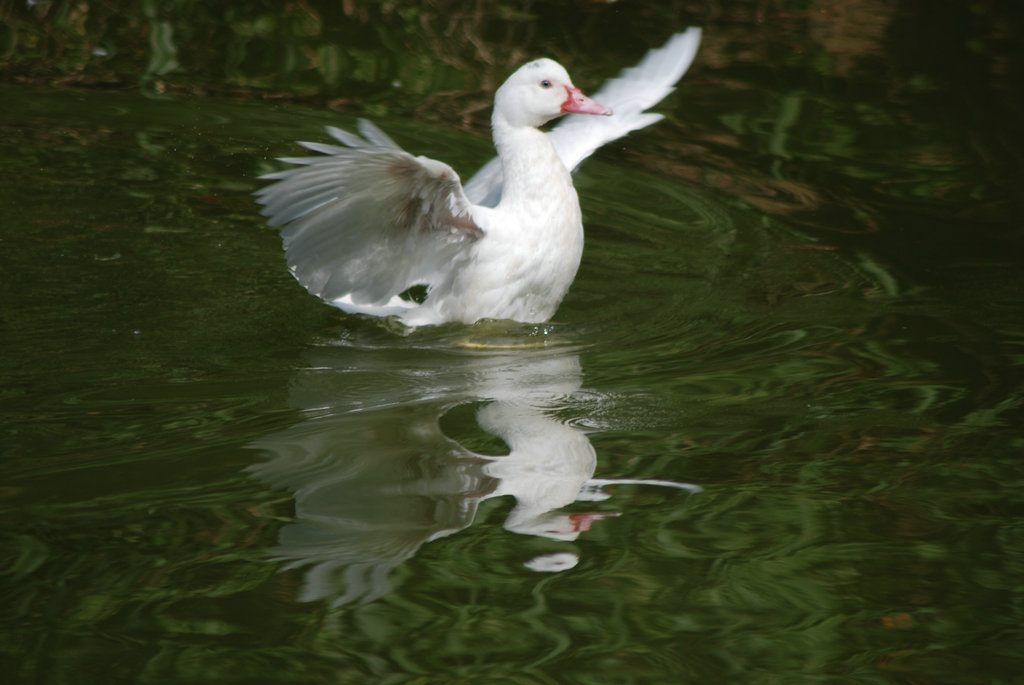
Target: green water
799, 309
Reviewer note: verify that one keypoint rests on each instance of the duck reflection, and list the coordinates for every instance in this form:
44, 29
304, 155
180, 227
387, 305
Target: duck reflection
374, 477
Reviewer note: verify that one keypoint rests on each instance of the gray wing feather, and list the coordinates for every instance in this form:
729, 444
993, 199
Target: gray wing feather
367, 219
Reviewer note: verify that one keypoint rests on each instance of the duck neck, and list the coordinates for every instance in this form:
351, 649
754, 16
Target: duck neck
530, 165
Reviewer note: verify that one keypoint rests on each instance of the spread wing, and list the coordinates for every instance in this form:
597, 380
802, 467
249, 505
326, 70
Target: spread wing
367, 220
635, 89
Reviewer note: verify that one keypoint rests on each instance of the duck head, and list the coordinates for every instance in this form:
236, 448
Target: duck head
538, 92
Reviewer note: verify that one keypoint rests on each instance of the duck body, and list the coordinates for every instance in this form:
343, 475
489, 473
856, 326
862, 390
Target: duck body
532, 245
366, 221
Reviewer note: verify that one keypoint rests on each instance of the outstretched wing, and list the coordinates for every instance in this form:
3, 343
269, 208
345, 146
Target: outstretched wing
635, 89
367, 220
628, 95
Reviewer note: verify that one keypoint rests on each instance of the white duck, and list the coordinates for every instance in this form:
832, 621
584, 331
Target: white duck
368, 221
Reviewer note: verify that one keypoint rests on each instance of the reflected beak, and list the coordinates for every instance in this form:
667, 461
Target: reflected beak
581, 522
578, 103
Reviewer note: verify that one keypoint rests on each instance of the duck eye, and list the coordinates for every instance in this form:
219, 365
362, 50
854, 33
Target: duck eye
545, 84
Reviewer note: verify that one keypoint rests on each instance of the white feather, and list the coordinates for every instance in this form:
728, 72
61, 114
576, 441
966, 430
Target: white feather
365, 220
634, 90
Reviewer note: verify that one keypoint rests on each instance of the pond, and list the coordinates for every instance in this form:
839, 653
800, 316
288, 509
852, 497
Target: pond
772, 435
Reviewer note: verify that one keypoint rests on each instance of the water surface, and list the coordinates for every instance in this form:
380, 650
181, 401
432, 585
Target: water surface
772, 435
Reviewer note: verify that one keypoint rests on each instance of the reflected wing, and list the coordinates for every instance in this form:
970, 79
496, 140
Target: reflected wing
367, 220
628, 95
